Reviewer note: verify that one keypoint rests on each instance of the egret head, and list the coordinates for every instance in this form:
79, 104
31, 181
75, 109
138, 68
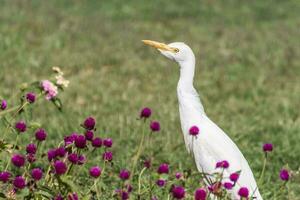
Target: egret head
177, 51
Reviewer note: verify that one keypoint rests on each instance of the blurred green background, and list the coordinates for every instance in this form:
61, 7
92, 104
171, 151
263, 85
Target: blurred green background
248, 70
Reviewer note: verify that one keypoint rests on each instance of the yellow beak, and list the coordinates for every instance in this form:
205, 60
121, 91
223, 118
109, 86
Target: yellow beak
160, 46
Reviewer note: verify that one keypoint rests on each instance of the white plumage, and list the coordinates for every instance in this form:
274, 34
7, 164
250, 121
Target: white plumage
211, 145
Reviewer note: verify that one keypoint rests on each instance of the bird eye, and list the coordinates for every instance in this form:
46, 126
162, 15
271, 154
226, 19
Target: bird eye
176, 50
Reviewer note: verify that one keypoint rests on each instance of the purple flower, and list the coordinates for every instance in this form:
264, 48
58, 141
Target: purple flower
58, 197
129, 188
4, 176
145, 112
284, 175
194, 130
178, 175
31, 148
95, 171
89, 123
73, 158
81, 159
155, 126
19, 182
200, 194
243, 192
160, 182
234, 177
51, 154
163, 169
60, 167
21, 126
228, 185
60, 151
36, 174
30, 96
3, 104
97, 142
40, 134
80, 141
222, 164
147, 163
89, 135
18, 160
108, 142
50, 89
107, 156
178, 192
70, 138
31, 158
268, 147
124, 195
124, 174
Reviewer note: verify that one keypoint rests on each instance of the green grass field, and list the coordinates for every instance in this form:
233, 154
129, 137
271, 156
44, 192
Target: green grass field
248, 70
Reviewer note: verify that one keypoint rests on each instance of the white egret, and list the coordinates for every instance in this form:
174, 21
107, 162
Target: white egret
211, 144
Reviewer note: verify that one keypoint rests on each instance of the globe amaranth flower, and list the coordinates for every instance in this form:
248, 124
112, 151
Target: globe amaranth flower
222, 164
243, 192
95, 171
178, 192
268, 147
3, 105
129, 187
145, 113
97, 142
160, 182
284, 175
60, 167
147, 163
18, 160
36, 174
50, 89
215, 187
30, 97
73, 196
124, 195
21, 126
40, 134
155, 126
81, 159
89, 123
163, 169
194, 130
60, 152
124, 174
107, 142
4, 176
200, 194
30, 157
31, 148
234, 177
19, 182
178, 175
228, 185
107, 156
89, 135
80, 141
73, 158
70, 138
58, 197
51, 154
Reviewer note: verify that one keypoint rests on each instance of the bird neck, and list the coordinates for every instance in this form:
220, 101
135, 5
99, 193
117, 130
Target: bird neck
187, 70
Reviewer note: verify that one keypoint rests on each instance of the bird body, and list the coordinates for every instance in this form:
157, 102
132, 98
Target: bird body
212, 144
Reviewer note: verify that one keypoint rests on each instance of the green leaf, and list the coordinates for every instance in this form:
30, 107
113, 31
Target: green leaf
57, 102
2, 195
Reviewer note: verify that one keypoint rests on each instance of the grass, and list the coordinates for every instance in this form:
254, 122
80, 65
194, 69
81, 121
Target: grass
247, 70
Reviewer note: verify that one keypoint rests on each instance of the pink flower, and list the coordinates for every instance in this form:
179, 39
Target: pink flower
50, 89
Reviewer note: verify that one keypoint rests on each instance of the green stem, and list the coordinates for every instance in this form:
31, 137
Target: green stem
140, 176
263, 170
14, 148
136, 157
